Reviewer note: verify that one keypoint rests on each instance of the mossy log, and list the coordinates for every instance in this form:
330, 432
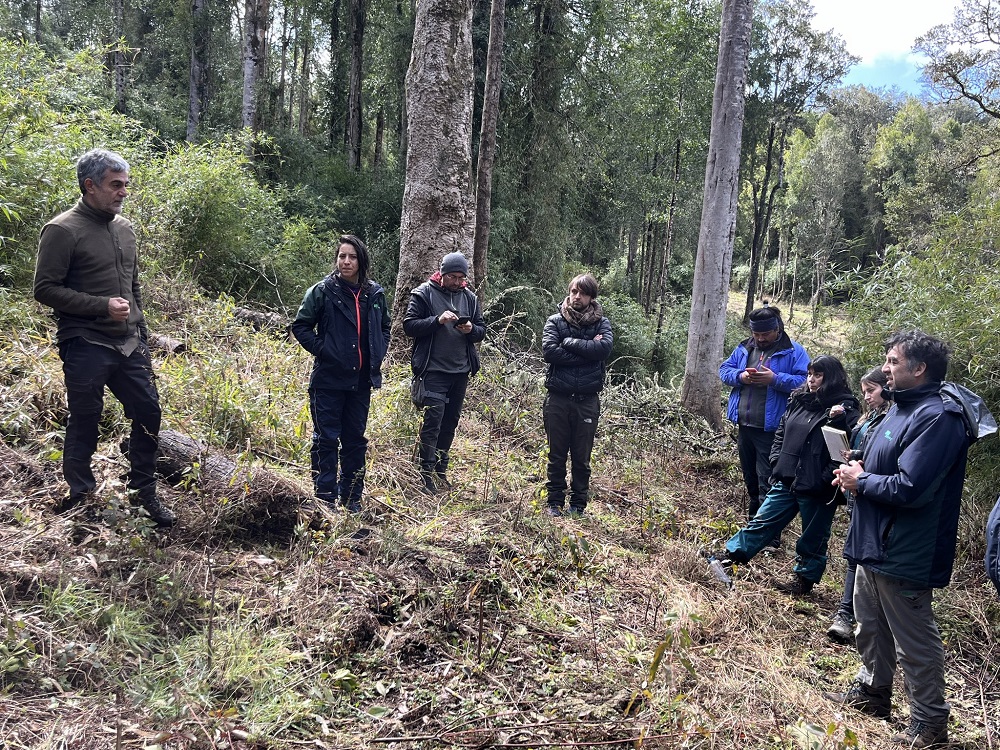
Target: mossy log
262, 320
167, 344
235, 496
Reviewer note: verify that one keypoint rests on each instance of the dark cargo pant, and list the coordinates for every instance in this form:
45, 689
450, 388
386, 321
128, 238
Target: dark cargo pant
570, 426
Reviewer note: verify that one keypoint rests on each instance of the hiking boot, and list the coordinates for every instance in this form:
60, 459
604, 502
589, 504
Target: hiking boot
160, 514
920, 734
71, 502
428, 479
860, 698
841, 629
577, 510
442, 481
351, 504
554, 510
797, 586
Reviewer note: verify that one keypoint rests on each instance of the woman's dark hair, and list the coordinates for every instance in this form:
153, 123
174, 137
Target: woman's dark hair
875, 377
834, 378
362, 250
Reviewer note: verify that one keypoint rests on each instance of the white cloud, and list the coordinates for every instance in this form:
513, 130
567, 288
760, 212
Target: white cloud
881, 28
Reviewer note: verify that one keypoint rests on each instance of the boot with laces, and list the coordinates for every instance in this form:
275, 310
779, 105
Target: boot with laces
797, 586
861, 698
920, 734
841, 629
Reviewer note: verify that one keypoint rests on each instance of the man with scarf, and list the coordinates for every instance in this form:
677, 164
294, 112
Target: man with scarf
762, 371
445, 321
576, 342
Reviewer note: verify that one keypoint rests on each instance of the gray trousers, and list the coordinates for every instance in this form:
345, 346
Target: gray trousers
896, 623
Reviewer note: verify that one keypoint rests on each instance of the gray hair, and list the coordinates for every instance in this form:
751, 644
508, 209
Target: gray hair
96, 163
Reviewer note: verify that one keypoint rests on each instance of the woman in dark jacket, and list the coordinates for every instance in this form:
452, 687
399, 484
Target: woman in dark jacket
842, 627
801, 475
344, 323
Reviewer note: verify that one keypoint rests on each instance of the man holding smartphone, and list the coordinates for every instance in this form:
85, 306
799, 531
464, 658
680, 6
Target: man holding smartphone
762, 371
445, 321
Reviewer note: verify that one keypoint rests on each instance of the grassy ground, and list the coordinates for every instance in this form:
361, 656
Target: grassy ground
470, 619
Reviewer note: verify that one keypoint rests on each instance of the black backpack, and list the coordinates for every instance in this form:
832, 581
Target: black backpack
993, 545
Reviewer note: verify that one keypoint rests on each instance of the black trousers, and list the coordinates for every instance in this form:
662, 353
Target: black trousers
339, 422
88, 368
570, 426
754, 446
442, 410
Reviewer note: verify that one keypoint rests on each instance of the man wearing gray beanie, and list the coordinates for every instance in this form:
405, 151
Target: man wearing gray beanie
445, 321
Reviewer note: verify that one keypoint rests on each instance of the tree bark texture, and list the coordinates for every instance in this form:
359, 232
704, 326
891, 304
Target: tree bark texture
254, 40
199, 65
701, 389
354, 93
438, 206
488, 143
119, 65
237, 499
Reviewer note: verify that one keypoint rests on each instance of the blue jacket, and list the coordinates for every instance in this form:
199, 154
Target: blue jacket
905, 521
327, 327
789, 363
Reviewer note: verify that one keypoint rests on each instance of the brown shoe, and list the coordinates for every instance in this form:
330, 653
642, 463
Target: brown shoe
860, 698
798, 586
920, 734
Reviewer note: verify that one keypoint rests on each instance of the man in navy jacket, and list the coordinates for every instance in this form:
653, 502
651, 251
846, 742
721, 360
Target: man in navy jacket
908, 490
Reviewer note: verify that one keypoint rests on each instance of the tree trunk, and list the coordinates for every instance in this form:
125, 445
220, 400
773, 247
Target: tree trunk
200, 31
378, 160
254, 41
438, 205
304, 88
118, 64
488, 144
354, 91
701, 389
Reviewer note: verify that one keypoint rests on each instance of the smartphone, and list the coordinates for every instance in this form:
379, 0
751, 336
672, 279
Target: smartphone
462, 320
751, 370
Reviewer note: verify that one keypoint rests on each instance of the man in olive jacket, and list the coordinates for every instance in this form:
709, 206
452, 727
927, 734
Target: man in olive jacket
88, 272
908, 492
576, 342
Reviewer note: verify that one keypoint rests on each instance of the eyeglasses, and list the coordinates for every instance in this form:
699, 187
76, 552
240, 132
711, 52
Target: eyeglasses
455, 276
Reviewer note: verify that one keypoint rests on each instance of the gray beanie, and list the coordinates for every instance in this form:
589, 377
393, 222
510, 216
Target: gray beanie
454, 263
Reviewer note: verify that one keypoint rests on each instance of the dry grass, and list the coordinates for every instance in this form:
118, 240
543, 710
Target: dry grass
469, 619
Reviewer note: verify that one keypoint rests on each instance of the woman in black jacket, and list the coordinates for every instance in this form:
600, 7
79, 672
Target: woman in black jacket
842, 627
801, 475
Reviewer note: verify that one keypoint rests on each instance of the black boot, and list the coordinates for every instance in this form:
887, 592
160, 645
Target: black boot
427, 478
160, 514
441, 471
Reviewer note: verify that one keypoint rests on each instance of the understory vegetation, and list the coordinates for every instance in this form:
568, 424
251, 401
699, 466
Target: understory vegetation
469, 619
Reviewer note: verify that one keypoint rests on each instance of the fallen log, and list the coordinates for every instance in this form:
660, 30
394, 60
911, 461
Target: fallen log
236, 497
167, 344
262, 320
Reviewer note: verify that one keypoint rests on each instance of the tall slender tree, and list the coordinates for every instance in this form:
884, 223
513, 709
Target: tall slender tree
701, 388
354, 112
254, 40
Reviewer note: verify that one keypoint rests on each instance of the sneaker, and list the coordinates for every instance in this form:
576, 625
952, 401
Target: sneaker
920, 734
860, 698
554, 510
841, 629
576, 511
797, 586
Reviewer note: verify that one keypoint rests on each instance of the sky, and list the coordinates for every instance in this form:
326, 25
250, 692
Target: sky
881, 33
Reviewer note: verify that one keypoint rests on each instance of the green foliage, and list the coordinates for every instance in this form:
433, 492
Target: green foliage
633, 332
202, 208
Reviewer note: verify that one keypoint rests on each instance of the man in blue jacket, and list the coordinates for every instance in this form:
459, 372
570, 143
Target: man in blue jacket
762, 371
908, 490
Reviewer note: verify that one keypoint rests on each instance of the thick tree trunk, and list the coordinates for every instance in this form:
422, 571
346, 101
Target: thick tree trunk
438, 206
488, 144
199, 65
255, 37
701, 389
354, 91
